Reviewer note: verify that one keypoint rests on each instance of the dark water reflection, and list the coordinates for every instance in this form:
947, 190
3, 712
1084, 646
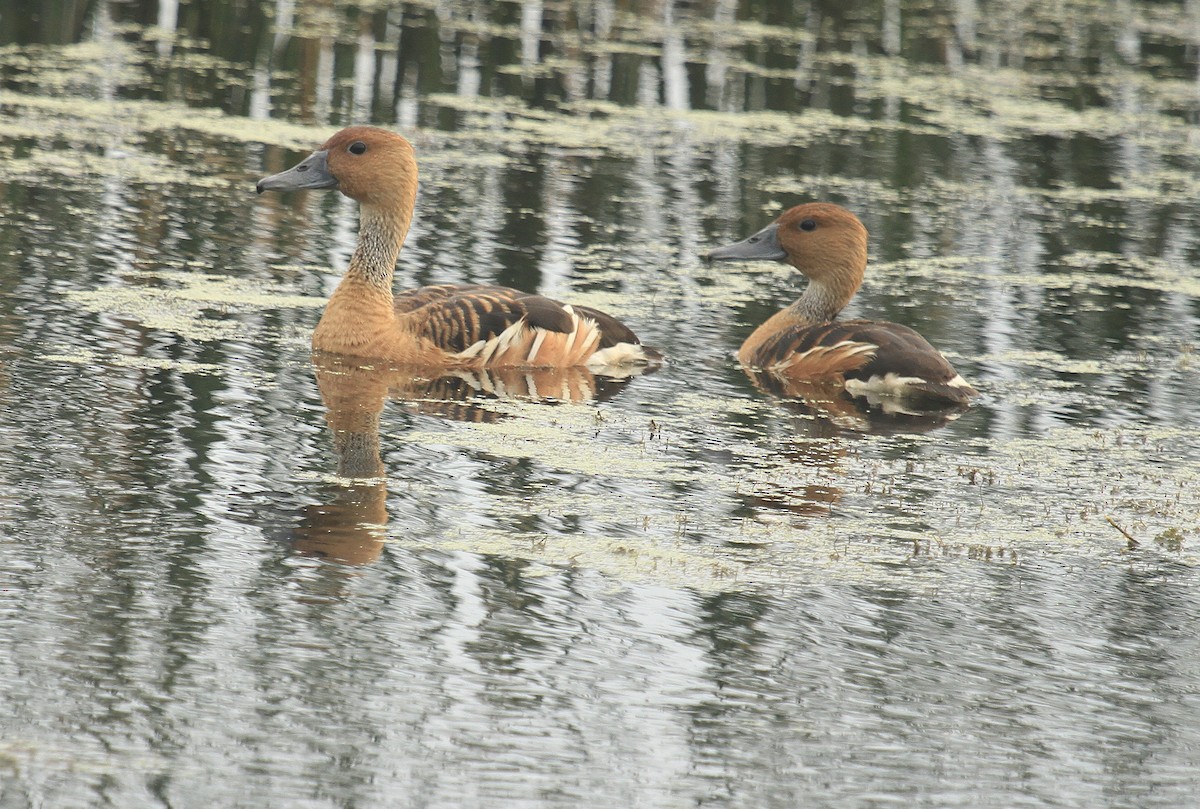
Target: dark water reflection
231, 576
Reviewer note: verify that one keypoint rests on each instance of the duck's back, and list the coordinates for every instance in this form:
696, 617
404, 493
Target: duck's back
867, 356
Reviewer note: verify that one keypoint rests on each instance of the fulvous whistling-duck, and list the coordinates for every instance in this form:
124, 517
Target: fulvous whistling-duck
804, 343
448, 325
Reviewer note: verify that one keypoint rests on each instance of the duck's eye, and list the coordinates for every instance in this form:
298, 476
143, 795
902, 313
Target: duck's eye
808, 224
358, 147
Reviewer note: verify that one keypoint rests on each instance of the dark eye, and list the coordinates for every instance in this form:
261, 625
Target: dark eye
808, 224
358, 147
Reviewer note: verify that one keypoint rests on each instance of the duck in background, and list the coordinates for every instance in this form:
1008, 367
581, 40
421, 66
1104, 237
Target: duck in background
804, 347
447, 326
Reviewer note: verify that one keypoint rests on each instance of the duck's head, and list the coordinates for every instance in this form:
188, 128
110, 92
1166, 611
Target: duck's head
366, 163
822, 240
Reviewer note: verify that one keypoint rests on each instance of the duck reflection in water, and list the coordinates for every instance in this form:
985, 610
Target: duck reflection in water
830, 404
815, 431
350, 526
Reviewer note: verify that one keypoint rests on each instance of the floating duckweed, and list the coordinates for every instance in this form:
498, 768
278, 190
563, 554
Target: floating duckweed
85, 356
818, 503
856, 188
186, 309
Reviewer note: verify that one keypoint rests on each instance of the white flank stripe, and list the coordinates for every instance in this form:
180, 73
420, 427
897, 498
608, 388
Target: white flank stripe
505, 339
620, 354
489, 349
574, 331
537, 343
849, 348
471, 350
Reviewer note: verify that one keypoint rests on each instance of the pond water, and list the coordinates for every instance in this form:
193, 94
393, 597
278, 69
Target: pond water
232, 577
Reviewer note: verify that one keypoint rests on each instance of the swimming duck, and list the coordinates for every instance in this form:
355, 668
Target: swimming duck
446, 325
805, 343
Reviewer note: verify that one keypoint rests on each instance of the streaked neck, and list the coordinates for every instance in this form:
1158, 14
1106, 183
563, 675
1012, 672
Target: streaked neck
821, 302
381, 234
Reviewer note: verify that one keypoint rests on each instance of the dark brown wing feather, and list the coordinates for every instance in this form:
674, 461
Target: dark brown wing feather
612, 330
799, 349
459, 321
460, 315
898, 350
414, 299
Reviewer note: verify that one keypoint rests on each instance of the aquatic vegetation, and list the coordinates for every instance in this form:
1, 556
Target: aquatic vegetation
186, 301
1016, 193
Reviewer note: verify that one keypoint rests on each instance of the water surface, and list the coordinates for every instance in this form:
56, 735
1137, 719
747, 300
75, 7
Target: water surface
231, 577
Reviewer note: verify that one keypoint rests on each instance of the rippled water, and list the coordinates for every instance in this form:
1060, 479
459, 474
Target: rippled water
231, 577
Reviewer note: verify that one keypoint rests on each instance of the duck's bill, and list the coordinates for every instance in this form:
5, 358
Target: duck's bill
311, 172
762, 246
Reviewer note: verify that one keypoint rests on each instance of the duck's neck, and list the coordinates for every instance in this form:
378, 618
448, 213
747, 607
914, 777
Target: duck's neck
821, 302
360, 317
381, 234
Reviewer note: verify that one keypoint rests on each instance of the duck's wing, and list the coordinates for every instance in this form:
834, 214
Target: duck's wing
478, 315
414, 299
485, 325
612, 331
498, 326
826, 351
618, 346
873, 358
